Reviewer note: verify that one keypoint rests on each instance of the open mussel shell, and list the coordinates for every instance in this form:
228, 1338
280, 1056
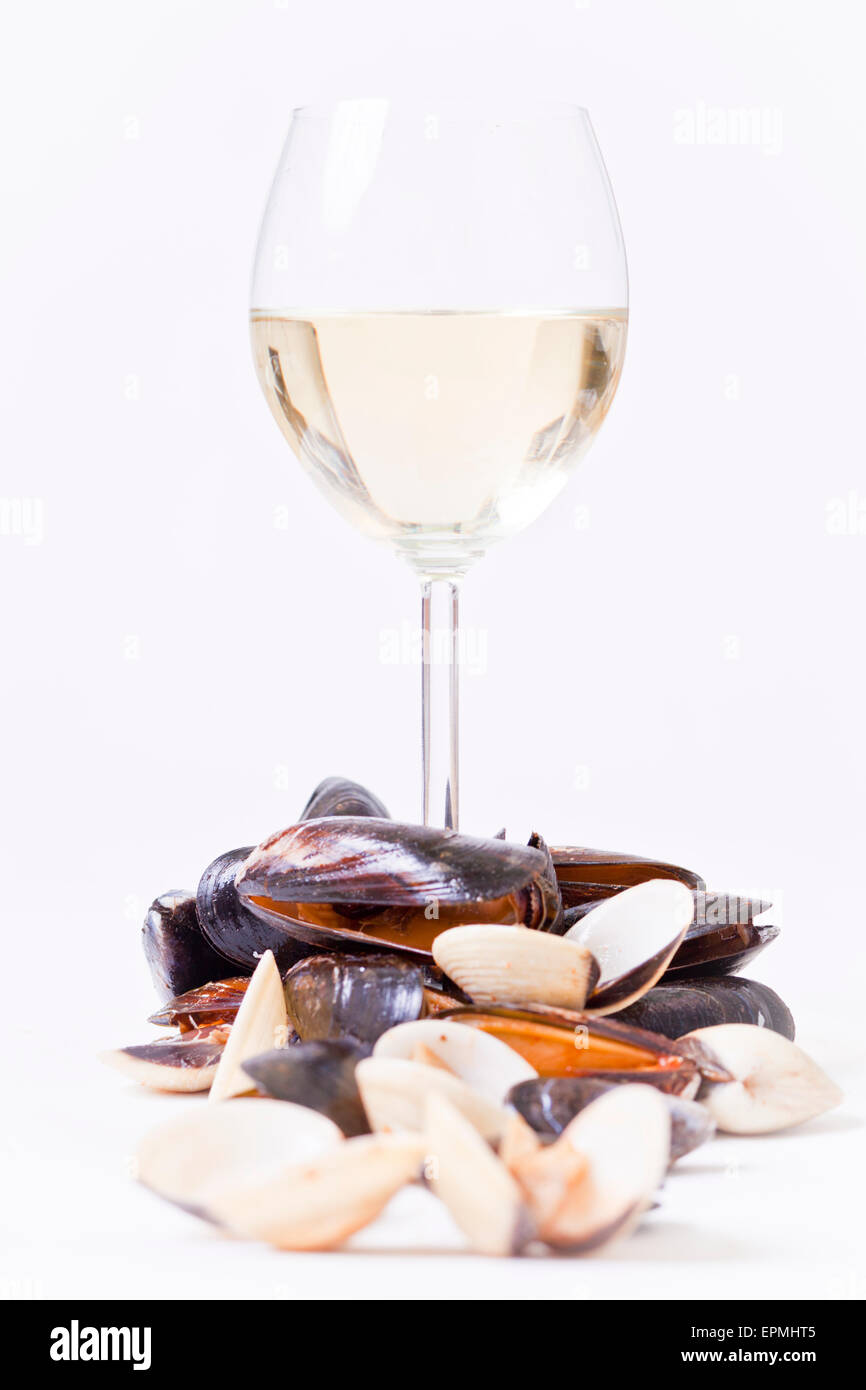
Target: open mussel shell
337, 796
240, 936
358, 997
318, 1074
178, 955
548, 1105
331, 882
557, 1042
710, 949
680, 1006
186, 1062
590, 875
633, 936
216, 1002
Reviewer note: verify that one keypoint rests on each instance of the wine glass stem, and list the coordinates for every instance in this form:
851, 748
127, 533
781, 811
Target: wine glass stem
440, 692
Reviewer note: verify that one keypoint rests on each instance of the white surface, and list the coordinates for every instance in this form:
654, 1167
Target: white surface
670, 662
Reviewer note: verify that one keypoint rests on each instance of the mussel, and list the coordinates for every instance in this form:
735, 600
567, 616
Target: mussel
549, 1104
238, 934
720, 950
343, 883
178, 955
337, 796
185, 1062
682, 1005
319, 1074
588, 875
215, 1002
355, 997
557, 1042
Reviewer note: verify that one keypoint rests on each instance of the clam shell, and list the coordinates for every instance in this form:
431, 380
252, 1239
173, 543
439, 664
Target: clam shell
634, 936
261, 1023
395, 1094
513, 965
318, 1205
549, 1105
483, 1062
269, 1170
190, 1160
623, 1138
773, 1084
482, 1196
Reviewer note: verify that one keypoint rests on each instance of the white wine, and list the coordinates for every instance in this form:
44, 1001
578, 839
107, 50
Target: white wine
439, 431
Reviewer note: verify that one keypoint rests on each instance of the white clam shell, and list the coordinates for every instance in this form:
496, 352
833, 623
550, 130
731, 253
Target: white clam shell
395, 1092
261, 1024
482, 1196
485, 1063
634, 936
775, 1083
514, 965
191, 1159
624, 1137
274, 1171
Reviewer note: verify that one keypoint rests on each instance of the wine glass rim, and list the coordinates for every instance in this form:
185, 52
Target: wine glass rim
413, 108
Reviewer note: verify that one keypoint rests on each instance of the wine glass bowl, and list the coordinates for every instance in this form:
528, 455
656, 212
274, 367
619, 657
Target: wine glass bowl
439, 323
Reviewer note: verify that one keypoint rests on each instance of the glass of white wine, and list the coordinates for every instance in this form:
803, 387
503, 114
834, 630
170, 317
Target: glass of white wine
439, 322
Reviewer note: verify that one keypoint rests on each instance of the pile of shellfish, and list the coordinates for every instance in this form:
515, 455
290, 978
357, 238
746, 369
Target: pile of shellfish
537, 1034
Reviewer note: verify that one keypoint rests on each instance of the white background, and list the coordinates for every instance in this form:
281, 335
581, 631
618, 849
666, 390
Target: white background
674, 654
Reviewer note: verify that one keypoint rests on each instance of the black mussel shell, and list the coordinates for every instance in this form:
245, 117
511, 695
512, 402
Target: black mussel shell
182, 1062
320, 1075
337, 796
178, 955
549, 878
359, 997
364, 884
549, 1105
589, 875
216, 1002
342, 859
238, 934
719, 950
680, 1006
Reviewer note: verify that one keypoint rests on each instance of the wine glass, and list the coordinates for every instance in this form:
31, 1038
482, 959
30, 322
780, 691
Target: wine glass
439, 322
